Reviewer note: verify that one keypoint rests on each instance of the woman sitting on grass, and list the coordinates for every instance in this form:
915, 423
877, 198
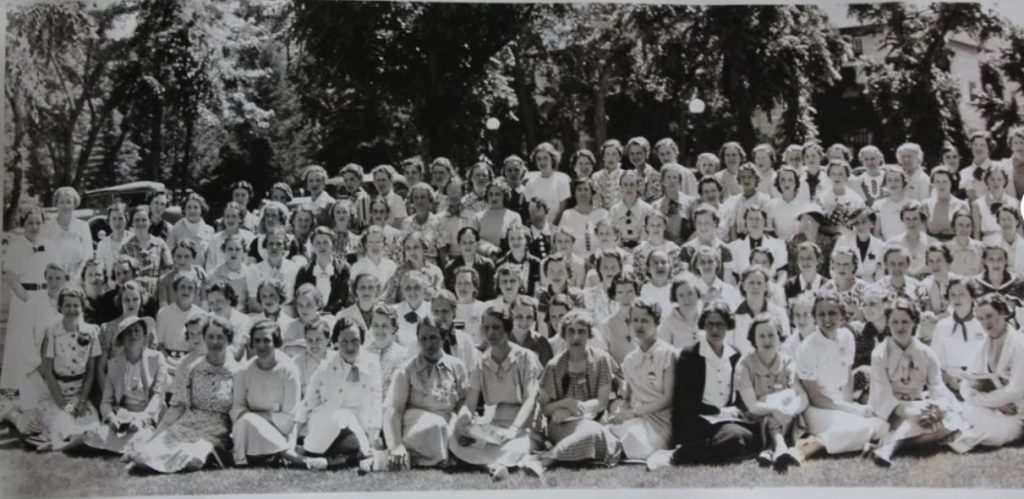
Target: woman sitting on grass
906, 386
342, 406
770, 394
427, 391
198, 424
133, 395
506, 378
70, 350
265, 396
574, 391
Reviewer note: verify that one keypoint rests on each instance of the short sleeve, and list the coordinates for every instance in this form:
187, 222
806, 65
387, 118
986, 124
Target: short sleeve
741, 377
49, 343
399, 390
95, 349
807, 361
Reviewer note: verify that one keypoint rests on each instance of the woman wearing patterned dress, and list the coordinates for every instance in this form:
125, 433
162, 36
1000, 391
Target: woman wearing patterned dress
198, 424
426, 223
426, 393
414, 252
133, 395
264, 401
70, 349
341, 409
574, 391
152, 253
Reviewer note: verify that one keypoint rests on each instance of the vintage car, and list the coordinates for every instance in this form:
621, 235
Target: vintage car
96, 201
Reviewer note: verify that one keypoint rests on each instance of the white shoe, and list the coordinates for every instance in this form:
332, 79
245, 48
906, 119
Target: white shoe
316, 463
533, 466
498, 473
659, 459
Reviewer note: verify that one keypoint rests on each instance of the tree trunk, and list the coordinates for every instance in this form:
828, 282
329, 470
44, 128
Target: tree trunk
186, 157
156, 140
19, 173
600, 106
523, 77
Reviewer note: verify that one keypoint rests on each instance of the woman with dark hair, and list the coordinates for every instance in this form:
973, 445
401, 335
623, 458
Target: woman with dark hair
342, 406
769, 393
507, 439
151, 252
93, 279
581, 214
326, 270
192, 227
425, 222
222, 302
68, 367
478, 178
414, 259
906, 386
383, 344
1010, 222
232, 220
707, 426
996, 278
985, 208
837, 424
606, 180
198, 424
467, 256
234, 269
574, 391
582, 164
493, 222
993, 389
265, 396
133, 393
426, 393
642, 420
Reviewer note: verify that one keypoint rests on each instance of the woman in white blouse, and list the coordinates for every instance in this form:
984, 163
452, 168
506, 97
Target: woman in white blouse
342, 408
837, 425
69, 235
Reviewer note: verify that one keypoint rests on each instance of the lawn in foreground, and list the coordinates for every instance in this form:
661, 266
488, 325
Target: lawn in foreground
24, 473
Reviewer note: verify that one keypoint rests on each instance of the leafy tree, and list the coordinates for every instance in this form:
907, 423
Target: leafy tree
997, 101
912, 90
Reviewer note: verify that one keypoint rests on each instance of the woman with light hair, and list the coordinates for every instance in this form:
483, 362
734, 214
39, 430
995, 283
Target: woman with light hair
550, 186
70, 236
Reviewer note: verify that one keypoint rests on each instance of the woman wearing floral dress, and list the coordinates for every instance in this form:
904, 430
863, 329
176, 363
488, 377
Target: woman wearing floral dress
70, 349
198, 423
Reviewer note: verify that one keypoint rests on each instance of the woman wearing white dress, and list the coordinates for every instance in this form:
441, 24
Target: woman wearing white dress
24, 274
993, 390
342, 407
414, 306
580, 217
109, 247
70, 236
550, 186
679, 325
984, 208
192, 226
823, 362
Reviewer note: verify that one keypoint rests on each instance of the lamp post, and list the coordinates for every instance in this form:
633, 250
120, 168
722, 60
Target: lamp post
492, 125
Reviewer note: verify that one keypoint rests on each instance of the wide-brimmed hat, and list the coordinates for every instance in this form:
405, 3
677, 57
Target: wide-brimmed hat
862, 212
128, 322
814, 211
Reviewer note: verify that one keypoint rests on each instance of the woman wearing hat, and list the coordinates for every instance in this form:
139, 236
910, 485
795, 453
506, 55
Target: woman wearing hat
133, 395
811, 219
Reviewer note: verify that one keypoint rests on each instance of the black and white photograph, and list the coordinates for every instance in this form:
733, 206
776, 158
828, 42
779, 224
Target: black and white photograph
322, 246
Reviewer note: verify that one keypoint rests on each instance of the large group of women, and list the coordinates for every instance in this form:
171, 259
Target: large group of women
522, 316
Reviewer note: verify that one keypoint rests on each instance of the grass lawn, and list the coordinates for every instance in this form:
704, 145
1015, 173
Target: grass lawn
25, 473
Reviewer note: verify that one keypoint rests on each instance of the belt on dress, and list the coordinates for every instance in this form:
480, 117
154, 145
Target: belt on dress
908, 397
31, 286
176, 354
69, 379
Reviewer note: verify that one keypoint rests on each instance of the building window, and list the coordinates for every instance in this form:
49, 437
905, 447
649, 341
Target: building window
858, 46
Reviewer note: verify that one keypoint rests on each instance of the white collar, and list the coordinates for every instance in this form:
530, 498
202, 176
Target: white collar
705, 351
